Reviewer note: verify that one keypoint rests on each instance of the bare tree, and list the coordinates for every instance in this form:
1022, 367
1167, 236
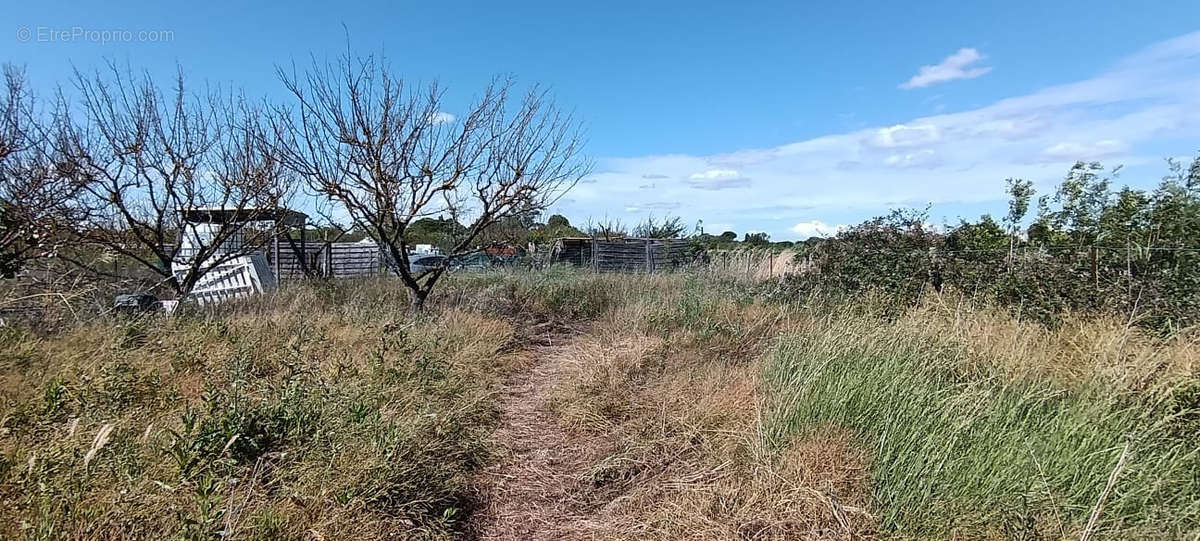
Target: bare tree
32, 193
386, 154
605, 228
143, 159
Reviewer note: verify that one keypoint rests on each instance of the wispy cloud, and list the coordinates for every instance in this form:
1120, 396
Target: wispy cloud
816, 228
1145, 106
718, 179
960, 65
1071, 150
442, 117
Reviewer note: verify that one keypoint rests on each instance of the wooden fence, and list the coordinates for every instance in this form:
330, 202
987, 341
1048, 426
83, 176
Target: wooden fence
327, 260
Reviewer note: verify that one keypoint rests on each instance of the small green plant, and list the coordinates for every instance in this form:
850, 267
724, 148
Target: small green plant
54, 398
206, 520
185, 448
360, 410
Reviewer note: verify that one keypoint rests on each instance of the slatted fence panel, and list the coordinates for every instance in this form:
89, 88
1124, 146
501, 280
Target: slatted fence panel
624, 255
354, 260
288, 266
668, 254
328, 260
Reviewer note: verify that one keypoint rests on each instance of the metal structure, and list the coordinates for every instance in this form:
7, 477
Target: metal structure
625, 254
242, 275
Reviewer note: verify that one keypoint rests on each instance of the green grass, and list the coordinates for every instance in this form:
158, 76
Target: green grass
984, 456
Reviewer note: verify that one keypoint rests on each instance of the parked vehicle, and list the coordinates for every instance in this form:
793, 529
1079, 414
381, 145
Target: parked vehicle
474, 262
421, 263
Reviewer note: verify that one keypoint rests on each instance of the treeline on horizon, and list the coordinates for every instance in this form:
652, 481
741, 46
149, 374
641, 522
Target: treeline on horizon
106, 183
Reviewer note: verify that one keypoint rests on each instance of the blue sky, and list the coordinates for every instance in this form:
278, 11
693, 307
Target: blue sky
782, 117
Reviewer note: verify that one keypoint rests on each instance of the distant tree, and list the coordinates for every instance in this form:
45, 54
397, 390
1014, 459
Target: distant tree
757, 239
558, 220
1042, 231
729, 236
1082, 197
1020, 192
383, 153
606, 228
556, 227
1127, 220
667, 228
439, 232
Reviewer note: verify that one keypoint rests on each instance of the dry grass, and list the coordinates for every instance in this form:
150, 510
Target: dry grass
668, 389
314, 413
1092, 349
752, 265
691, 408
689, 442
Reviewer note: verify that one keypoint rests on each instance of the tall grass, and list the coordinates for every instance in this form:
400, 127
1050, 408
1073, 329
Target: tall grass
711, 408
320, 411
957, 449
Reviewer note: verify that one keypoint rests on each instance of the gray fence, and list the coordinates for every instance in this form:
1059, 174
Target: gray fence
326, 260
623, 254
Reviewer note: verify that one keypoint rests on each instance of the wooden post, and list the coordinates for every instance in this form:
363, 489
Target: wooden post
304, 247
649, 256
278, 277
328, 271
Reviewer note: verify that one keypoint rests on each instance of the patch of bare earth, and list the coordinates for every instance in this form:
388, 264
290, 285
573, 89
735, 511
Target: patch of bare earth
533, 491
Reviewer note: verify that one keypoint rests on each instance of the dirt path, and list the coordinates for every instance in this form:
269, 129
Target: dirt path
532, 492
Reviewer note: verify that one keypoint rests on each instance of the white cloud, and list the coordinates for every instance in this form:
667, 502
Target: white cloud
1070, 150
901, 135
920, 158
1141, 109
718, 179
956, 66
442, 117
816, 228
718, 228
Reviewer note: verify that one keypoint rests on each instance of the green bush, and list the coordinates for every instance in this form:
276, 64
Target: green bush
1089, 249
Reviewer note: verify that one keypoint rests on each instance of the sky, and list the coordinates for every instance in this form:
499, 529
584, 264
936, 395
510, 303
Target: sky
785, 117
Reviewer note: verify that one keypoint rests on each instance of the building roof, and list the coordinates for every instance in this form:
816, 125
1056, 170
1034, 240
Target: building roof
245, 214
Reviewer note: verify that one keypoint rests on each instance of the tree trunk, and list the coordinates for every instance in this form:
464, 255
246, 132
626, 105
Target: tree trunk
418, 299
